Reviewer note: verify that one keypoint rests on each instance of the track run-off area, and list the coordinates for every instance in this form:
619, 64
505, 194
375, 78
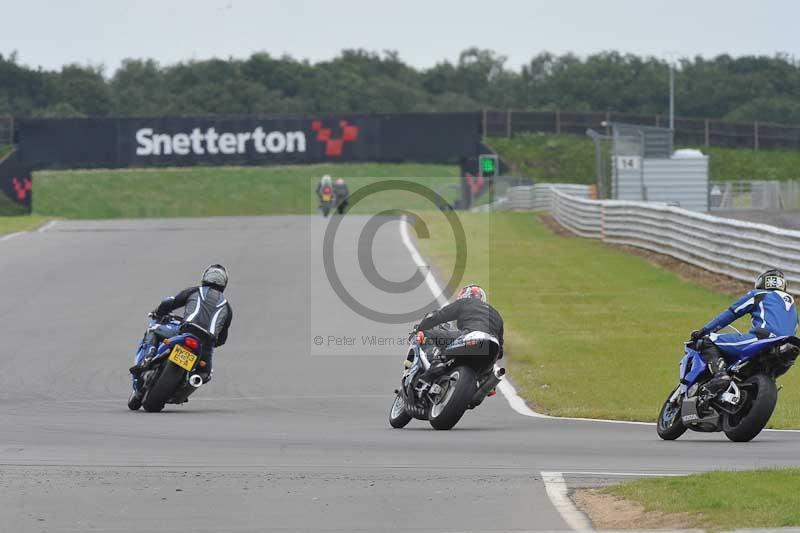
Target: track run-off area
290, 434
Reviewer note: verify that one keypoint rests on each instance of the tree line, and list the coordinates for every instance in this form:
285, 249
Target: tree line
732, 88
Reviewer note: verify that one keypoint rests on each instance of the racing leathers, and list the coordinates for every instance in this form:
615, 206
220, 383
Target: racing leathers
204, 306
773, 314
470, 314
341, 194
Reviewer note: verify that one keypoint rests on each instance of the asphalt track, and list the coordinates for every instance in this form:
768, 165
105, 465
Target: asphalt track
289, 435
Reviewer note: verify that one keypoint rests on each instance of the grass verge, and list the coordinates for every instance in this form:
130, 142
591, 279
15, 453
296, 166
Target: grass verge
19, 223
722, 500
9, 208
570, 159
583, 319
209, 191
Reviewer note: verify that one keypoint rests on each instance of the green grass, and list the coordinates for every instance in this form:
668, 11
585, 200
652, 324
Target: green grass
592, 332
9, 208
209, 191
5, 150
723, 500
570, 159
19, 223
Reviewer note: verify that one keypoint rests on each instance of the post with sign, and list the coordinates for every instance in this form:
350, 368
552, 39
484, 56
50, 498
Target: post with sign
489, 165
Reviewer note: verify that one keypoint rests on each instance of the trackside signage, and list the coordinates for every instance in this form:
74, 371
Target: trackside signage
210, 141
445, 138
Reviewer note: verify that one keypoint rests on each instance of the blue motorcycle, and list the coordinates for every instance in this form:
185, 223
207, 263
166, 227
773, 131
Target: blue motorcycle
744, 408
176, 369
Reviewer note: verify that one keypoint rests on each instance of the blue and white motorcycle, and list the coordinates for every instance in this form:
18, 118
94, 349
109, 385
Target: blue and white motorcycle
744, 408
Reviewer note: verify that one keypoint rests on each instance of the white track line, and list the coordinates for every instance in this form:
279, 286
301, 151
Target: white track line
11, 236
47, 226
558, 492
505, 387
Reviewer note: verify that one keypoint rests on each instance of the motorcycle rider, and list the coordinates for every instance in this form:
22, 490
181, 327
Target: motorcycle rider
204, 306
471, 313
324, 181
773, 314
341, 193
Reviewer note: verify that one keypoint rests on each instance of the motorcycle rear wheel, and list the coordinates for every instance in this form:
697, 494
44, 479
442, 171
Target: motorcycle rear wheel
461, 382
165, 386
670, 425
398, 417
762, 395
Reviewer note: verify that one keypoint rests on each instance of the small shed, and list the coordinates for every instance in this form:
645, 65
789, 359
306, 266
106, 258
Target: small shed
645, 168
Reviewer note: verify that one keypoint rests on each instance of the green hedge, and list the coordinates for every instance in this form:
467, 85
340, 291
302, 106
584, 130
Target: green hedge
570, 159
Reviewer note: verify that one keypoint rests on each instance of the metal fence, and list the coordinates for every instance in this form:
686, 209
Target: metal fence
534, 197
754, 194
688, 131
731, 247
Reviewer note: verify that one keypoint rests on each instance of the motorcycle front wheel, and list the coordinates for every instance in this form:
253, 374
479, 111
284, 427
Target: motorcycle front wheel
460, 385
398, 417
670, 425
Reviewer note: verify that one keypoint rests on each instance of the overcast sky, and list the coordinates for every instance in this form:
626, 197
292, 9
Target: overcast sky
51, 33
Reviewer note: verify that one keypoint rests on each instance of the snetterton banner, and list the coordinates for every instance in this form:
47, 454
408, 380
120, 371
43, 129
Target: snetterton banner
16, 181
70, 143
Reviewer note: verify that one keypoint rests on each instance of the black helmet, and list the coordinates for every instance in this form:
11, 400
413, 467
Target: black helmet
772, 279
215, 276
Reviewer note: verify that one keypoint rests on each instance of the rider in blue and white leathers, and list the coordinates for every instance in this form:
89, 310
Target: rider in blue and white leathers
773, 315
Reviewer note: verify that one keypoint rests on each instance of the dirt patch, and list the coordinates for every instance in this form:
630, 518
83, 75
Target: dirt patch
555, 227
610, 512
717, 282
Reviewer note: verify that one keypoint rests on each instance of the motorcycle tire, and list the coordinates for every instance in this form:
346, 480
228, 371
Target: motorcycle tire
762, 395
165, 386
135, 401
451, 407
326, 211
398, 417
670, 425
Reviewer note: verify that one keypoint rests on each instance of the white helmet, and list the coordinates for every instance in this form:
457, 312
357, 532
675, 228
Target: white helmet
217, 276
326, 180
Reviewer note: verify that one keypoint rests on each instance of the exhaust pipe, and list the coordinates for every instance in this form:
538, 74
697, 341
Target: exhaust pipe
195, 381
490, 384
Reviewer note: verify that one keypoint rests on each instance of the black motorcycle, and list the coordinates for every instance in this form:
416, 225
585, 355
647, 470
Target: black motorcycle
441, 393
177, 369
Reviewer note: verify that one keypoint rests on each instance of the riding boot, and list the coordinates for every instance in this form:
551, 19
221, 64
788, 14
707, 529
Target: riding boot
717, 366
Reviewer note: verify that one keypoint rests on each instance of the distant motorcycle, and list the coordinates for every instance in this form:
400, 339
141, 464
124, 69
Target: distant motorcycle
742, 410
442, 395
174, 372
326, 200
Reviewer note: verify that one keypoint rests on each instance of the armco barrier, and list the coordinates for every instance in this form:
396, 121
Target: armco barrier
534, 197
731, 247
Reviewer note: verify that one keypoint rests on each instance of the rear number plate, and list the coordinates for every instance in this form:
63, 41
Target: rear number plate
183, 357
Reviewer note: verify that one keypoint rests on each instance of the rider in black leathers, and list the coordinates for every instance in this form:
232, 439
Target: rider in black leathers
470, 312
